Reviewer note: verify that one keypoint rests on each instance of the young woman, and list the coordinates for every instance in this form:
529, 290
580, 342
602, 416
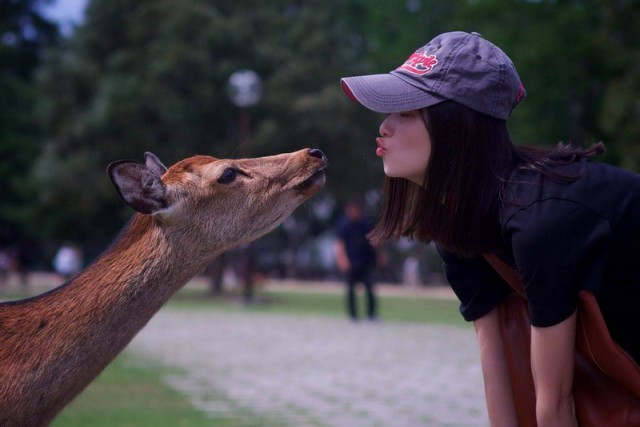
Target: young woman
563, 222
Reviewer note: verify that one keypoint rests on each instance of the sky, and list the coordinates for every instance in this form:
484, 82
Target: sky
67, 13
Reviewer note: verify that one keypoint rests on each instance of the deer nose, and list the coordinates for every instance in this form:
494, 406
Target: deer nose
314, 152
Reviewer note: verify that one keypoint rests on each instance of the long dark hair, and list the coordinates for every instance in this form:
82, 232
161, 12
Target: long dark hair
471, 157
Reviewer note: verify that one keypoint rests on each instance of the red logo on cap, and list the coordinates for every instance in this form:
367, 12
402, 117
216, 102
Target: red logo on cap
419, 63
520, 94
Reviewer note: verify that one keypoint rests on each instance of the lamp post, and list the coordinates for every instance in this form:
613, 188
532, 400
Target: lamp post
245, 91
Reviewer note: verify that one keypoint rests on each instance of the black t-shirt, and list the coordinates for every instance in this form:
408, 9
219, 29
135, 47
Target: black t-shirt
563, 237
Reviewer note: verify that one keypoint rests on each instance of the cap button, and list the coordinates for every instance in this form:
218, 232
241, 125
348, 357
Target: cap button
476, 34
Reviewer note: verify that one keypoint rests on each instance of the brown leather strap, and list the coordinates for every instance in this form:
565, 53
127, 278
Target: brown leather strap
593, 339
507, 273
595, 342
606, 384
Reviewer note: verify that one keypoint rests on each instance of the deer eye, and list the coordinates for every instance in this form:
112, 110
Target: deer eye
228, 176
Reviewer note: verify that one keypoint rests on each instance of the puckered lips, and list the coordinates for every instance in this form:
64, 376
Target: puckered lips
381, 150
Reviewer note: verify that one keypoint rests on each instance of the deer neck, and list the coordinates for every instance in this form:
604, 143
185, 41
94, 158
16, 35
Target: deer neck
56, 344
131, 281
144, 267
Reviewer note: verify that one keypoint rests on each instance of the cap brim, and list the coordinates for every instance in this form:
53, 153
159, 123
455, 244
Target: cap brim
387, 93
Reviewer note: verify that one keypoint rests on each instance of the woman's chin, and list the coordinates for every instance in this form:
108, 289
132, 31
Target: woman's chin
393, 173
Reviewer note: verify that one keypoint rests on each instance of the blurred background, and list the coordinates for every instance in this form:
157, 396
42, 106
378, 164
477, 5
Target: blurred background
87, 82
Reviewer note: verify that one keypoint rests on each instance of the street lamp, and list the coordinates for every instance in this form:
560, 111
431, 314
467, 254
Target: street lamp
245, 91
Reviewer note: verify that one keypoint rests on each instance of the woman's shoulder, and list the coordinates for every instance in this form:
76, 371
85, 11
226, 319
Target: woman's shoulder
598, 187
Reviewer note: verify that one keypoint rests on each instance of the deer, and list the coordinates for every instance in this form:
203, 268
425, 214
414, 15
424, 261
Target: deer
54, 344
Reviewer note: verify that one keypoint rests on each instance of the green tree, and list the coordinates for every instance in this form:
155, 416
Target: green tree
24, 35
389, 31
152, 75
619, 32
555, 47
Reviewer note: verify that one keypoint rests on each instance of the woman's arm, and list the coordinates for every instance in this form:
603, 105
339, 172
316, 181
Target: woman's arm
497, 386
552, 353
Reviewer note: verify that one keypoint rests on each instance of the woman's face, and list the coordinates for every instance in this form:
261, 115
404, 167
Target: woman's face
405, 146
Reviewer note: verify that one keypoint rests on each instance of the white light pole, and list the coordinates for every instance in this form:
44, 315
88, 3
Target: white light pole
245, 91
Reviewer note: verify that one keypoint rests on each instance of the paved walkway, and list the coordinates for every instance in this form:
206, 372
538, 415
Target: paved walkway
304, 371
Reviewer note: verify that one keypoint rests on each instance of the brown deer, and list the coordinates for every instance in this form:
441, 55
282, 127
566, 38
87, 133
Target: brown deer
53, 345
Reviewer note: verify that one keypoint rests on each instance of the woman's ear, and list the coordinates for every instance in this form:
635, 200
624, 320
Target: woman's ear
139, 186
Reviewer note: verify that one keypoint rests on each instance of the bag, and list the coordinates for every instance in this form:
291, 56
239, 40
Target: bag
606, 385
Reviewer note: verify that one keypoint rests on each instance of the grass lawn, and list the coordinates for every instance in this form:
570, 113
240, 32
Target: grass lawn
391, 308
133, 395
125, 395
418, 309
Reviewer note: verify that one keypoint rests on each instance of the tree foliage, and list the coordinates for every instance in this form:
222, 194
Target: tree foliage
152, 75
559, 57
24, 34
619, 32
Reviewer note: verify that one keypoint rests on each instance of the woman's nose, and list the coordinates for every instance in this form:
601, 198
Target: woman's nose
384, 129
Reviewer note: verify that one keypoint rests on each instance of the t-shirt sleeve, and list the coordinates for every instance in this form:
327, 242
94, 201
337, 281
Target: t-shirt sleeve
476, 284
559, 247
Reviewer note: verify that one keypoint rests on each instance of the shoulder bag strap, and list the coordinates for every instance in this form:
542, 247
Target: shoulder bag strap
507, 273
593, 339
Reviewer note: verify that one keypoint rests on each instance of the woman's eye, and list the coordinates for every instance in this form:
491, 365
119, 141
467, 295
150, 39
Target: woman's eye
228, 176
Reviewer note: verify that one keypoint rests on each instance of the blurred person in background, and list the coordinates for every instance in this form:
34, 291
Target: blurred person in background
356, 257
68, 260
5, 266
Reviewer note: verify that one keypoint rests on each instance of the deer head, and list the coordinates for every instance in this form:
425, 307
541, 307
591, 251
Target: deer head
220, 203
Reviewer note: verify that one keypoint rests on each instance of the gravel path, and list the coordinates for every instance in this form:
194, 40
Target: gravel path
301, 371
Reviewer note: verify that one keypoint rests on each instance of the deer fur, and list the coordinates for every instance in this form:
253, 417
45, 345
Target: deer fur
53, 345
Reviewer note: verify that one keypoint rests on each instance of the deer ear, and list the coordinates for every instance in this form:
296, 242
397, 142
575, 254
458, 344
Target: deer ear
138, 186
153, 162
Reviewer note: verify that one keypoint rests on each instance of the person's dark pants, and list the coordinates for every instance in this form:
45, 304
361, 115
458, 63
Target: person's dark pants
362, 275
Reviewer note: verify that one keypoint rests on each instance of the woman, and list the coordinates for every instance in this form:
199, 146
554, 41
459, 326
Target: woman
563, 222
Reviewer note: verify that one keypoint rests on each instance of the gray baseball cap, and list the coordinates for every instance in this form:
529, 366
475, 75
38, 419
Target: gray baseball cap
457, 66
